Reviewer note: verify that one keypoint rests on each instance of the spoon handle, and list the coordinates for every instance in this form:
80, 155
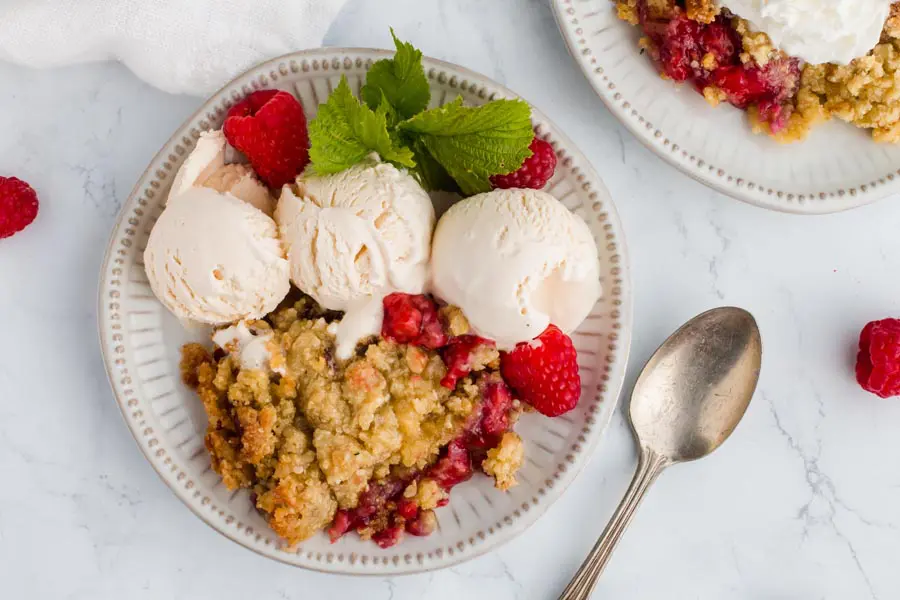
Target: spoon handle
650, 465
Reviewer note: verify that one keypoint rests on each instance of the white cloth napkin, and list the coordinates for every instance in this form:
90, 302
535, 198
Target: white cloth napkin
180, 46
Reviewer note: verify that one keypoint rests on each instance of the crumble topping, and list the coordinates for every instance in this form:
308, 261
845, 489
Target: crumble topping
757, 47
865, 93
703, 11
504, 461
311, 441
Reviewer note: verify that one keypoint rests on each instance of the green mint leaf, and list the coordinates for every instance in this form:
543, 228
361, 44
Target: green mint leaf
473, 143
345, 132
429, 172
400, 79
391, 117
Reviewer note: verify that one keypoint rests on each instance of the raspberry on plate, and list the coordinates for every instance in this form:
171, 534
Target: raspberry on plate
269, 127
878, 361
544, 372
534, 173
18, 206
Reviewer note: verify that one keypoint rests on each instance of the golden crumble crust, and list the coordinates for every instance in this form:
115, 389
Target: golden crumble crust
504, 461
704, 11
310, 441
865, 93
627, 10
660, 9
454, 321
758, 48
892, 26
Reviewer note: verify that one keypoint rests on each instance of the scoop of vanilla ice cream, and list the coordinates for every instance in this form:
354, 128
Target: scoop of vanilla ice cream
354, 237
515, 261
240, 181
216, 259
205, 166
818, 31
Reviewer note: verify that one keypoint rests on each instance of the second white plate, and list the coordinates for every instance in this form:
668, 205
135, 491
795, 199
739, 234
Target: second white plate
837, 168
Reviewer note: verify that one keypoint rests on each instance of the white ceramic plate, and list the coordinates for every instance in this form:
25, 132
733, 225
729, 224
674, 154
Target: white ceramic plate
141, 342
837, 168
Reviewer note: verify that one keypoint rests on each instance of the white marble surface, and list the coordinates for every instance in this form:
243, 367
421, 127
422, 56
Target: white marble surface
801, 503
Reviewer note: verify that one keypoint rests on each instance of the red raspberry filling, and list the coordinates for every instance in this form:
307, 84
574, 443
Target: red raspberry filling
454, 467
878, 361
382, 511
383, 507
458, 356
682, 49
413, 320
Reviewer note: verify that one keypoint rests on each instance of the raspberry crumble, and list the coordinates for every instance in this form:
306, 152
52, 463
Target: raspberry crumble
373, 444
696, 42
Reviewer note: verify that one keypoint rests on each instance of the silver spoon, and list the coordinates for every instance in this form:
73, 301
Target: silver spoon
688, 399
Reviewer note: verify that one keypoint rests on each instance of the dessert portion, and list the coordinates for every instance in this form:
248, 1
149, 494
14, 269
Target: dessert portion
789, 64
395, 367
325, 440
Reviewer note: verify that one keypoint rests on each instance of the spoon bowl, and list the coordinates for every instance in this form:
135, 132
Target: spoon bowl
696, 387
688, 399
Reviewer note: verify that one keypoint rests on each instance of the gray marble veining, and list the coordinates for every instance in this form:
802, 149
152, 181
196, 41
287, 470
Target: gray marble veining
801, 503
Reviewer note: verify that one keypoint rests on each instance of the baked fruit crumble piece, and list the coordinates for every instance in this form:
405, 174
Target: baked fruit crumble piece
696, 42
373, 444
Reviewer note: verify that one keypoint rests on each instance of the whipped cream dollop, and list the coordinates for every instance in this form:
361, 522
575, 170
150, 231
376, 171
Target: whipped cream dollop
818, 31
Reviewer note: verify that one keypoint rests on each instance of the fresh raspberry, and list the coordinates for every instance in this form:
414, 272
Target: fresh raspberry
534, 173
544, 372
878, 361
459, 355
18, 206
269, 127
413, 320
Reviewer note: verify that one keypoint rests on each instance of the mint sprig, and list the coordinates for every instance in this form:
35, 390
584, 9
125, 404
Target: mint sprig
451, 147
472, 144
401, 80
345, 132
